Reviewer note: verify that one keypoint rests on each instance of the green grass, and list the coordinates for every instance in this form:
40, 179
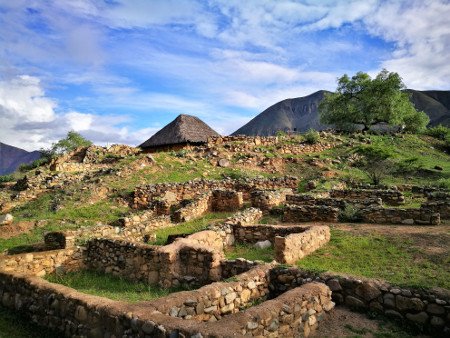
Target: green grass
247, 251
112, 287
14, 325
190, 227
377, 256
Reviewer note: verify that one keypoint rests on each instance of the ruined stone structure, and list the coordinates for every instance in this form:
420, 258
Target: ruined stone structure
390, 197
144, 195
308, 213
267, 199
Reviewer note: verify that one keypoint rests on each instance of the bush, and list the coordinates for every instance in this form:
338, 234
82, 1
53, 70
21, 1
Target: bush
350, 214
6, 178
34, 164
440, 132
311, 136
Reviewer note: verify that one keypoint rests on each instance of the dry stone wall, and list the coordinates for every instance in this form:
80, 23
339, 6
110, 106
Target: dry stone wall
427, 309
194, 209
438, 206
226, 200
74, 314
390, 197
310, 213
399, 216
289, 249
267, 199
331, 202
144, 195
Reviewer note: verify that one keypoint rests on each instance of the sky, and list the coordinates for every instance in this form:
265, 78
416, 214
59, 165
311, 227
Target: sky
117, 71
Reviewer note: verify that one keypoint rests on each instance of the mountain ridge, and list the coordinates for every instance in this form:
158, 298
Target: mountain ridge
301, 113
12, 157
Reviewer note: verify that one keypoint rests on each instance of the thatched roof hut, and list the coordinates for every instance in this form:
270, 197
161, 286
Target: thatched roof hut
184, 130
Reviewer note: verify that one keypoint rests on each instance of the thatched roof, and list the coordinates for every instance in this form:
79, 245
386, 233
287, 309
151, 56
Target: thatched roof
184, 129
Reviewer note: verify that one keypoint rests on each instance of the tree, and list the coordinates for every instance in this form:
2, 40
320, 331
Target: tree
377, 161
72, 141
363, 100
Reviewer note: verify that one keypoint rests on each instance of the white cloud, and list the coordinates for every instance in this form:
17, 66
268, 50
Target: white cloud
29, 119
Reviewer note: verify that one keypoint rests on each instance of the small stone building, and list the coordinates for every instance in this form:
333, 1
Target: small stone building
182, 132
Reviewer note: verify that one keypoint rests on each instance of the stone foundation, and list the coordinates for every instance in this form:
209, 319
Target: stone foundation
339, 203
399, 216
428, 310
144, 195
267, 199
310, 213
291, 248
390, 197
438, 206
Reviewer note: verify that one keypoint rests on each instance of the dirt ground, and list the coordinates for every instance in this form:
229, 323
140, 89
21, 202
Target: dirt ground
341, 322
15, 229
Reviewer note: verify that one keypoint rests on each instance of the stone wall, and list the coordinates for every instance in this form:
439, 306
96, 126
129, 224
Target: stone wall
310, 213
75, 314
233, 267
267, 199
144, 195
289, 249
166, 265
438, 206
390, 197
427, 309
226, 200
42, 263
254, 233
303, 199
399, 216
199, 206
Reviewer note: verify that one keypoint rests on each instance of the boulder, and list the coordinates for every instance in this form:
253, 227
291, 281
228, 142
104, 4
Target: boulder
224, 163
263, 244
6, 219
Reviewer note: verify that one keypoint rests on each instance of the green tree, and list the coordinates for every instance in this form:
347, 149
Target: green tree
363, 100
72, 141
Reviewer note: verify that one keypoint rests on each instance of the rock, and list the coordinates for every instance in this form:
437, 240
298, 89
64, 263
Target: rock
435, 309
367, 291
354, 303
389, 300
405, 303
420, 318
334, 285
393, 314
262, 244
408, 221
252, 325
6, 219
148, 327
437, 321
311, 185
224, 163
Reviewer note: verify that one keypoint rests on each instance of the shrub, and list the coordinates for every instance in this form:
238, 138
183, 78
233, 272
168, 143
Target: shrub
311, 136
34, 164
440, 132
6, 178
350, 214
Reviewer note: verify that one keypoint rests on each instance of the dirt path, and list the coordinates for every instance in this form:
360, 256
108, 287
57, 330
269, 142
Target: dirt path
344, 323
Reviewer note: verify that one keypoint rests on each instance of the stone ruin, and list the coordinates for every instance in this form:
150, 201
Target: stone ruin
293, 301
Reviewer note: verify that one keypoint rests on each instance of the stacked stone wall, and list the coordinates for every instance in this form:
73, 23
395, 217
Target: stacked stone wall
289, 249
42, 263
251, 234
438, 206
144, 195
75, 314
226, 200
198, 207
427, 309
390, 197
331, 202
267, 199
399, 216
310, 213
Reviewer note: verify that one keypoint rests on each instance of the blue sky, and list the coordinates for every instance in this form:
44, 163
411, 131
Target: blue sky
118, 70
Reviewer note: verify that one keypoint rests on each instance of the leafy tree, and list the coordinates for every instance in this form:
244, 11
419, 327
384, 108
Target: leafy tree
363, 100
72, 141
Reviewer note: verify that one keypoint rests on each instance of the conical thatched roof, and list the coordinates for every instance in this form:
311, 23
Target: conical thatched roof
184, 129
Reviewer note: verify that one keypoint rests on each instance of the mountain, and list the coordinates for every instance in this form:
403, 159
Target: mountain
300, 114
12, 157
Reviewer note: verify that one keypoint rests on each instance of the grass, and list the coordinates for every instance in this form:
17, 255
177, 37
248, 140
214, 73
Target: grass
249, 252
190, 227
112, 287
377, 256
14, 325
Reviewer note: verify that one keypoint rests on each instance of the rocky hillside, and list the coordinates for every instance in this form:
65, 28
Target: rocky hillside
300, 114
12, 157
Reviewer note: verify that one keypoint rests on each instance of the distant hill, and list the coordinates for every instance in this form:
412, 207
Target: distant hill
300, 114
12, 157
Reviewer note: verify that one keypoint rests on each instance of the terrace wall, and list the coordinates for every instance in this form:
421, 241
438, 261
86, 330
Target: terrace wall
399, 216
310, 213
75, 314
438, 206
144, 195
390, 197
426, 309
331, 202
